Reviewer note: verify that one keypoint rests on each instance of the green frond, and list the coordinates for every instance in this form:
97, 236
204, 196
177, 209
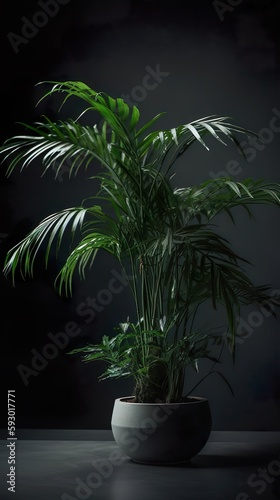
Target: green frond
48, 233
83, 256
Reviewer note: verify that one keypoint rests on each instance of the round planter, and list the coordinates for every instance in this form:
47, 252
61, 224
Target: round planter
161, 433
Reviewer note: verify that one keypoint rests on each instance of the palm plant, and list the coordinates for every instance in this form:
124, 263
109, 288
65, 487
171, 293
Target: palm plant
163, 236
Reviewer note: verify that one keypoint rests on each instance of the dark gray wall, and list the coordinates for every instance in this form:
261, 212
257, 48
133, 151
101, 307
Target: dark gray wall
210, 58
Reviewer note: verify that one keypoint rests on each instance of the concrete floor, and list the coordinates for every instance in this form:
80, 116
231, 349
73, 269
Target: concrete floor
81, 465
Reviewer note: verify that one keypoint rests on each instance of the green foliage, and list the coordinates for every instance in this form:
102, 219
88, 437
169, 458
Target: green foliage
164, 237
155, 361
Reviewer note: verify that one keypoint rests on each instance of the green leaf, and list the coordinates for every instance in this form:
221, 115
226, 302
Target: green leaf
134, 117
149, 124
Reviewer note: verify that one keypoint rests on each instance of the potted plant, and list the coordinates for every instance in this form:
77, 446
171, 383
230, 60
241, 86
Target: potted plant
164, 238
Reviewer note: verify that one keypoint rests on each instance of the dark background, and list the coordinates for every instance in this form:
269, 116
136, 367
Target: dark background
217, 60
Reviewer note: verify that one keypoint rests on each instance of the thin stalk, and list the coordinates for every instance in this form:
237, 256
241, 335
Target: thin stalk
157, 300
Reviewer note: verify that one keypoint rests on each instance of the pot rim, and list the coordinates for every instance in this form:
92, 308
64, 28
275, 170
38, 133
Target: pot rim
195, 400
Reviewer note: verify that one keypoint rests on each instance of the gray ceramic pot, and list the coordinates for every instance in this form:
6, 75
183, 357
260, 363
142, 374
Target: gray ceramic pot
161, 432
